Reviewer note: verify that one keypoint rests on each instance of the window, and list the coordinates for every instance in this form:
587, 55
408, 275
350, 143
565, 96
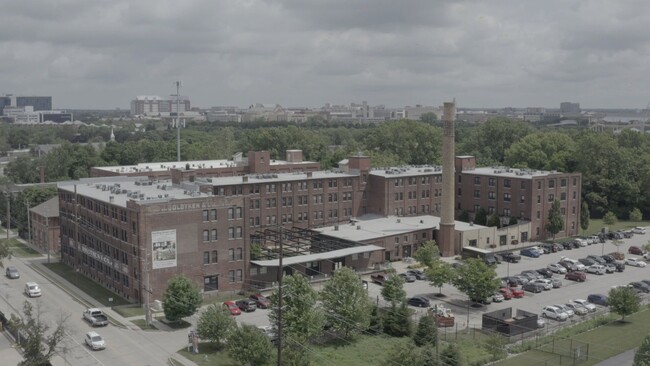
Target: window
551, 197
522, 199
538, 214
254, 189
575, 181
539, 185
215, 257
574, 194
206, 235
239, 275
240, 255
460, 178
332, 183
206, 257
213, 214
492, 182
503, 239
506, 212
472, 243
491, 195
506, 182
563, 182
213, 235
210, 283
231, 213
523, 185
539, 199
231, 254
562, 210
477, 193
491, 210
206, 216
231, 233
551, 183
477, 180
506, 197
231, 276
563, 196
318, 184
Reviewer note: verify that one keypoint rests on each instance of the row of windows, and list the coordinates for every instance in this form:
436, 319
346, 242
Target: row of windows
412, 210
398, 182
492, 182
234, 254
233, 213
212, 235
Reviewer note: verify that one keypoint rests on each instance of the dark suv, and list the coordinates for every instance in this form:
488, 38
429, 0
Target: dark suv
576, 276
510, 257
246, 305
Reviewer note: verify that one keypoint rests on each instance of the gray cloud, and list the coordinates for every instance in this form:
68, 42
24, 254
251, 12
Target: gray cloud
99, 54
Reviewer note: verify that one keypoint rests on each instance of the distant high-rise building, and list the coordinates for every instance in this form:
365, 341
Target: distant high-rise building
38, 103
153, 105
569, 108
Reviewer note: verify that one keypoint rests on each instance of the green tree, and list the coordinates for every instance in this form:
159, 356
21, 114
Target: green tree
542, 150
555, 222
494, 220
427, 253
450, 356
38, 348
301, 318
429, 117
623, 301
635, 215
481, 216
393, 289
476, 279
215, 324
345, 302
427, 332
642, 354
490, 141
403, 353
397, 320
249, 346
440, 273
584, 216
5, 252
376, 322
513, 221
181, 298
610, 218
464, 216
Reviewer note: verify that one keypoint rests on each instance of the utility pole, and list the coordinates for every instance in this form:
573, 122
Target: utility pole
8, 213
280, 273
147, 291
47, 237
178, 120
29, 224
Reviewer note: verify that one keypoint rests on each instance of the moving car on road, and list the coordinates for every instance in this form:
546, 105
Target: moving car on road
95, 341
32, 289
12, 272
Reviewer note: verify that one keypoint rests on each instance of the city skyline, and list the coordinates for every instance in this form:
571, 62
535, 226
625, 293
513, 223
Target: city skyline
295, 53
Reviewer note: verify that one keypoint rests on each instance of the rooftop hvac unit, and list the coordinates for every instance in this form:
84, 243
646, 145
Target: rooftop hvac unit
358, 227
160, 196
166, 195
399, 221
336, 228
137, 182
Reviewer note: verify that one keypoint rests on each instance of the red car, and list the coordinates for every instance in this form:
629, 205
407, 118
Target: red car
576, 276
232, 308
517, 292
261, 301
635, 250
507, 294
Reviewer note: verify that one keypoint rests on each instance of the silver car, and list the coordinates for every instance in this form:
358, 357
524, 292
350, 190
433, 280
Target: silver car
566, 309
577, 309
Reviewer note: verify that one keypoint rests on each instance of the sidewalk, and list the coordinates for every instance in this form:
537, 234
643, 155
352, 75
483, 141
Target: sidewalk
8, 352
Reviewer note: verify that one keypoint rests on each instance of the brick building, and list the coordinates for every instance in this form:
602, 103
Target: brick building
219, 226
44, 220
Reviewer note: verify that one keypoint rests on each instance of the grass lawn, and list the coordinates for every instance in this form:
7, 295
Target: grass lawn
181, 324
209, 354
19, 249
604, 342
129, 311
86, 285
143, 324
595, 225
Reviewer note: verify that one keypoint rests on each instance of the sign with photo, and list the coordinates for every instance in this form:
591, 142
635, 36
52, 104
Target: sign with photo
163, 249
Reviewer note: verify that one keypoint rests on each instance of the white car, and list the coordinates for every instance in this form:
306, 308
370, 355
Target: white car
595, 239
585, 304
556, 268
554, 313
544, 282
598, 269
32, 289
635, 262
566, 309
537, 249
497, 297
95, 341
638, 230
578, 266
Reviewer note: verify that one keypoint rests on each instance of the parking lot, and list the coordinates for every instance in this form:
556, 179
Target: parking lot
457, 301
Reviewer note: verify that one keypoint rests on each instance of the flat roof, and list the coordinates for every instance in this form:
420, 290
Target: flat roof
407, 171
511, 172
276, 177
287, 261
123, 189
194, 164
371, 227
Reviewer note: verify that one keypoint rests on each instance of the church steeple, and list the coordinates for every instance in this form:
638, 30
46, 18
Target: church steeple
112, 134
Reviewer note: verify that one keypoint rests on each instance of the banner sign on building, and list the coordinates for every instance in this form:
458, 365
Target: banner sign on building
163, 248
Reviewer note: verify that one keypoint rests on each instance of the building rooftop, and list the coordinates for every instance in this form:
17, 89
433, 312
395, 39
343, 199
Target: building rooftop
119, 190
49, 208
275, 177
371, 227
194, 164
407, 171
510, 172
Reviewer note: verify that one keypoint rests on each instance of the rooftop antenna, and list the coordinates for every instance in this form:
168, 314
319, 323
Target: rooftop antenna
178, 124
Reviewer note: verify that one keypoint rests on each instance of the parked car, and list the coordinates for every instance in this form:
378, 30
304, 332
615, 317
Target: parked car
267, 330
595, 239
491, 259
608, 258
407, 277
578, 266
569, 266
517, 292
635, 250
567, 245
647, 282
609, 267
586, 304
577, 309
557, 283
528, 252
506, 293
247, 305
638, 230
419, 301
556, 268
635, 262
32, 289
576, 276
641, 286
261, 301
598, 299
554, 313
549, 248
628, 234
379, 278
232, 308
566, 309
418, 274
617, 256
513, 281
545, 272
582, 242
533, 287
598, 269
596, 258
558, 247
522, 280
545, 283
95, 341
620, 266
531, 275
12, 272
498, 297
510, 257
587, 261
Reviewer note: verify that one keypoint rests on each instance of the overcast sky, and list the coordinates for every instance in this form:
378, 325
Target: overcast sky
102, 53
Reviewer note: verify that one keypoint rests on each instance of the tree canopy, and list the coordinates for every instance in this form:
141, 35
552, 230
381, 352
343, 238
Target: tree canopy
181, 298
346, 303
476, 279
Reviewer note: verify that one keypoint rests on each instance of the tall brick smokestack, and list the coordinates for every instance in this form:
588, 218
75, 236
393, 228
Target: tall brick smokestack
41, 171
446, 240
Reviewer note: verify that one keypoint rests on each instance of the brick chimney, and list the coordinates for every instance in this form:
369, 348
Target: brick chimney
41, 171
447, 224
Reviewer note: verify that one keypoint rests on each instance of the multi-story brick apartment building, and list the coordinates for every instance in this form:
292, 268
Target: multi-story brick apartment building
207, 223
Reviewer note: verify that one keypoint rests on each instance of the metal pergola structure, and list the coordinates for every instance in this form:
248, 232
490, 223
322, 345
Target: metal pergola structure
295, 241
